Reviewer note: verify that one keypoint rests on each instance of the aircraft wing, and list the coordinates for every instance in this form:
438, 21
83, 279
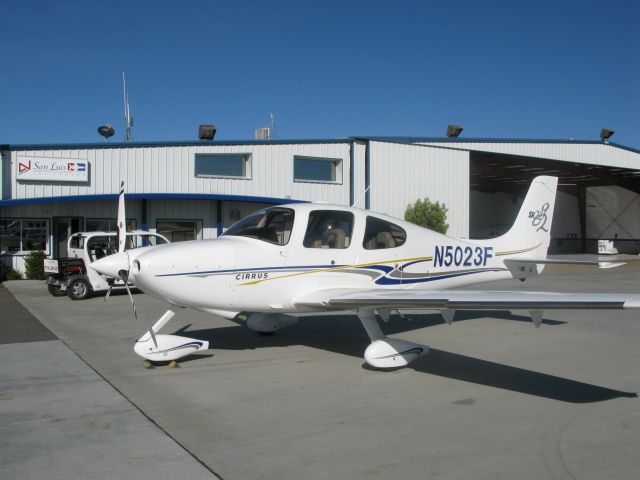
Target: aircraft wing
465, 300
509, 262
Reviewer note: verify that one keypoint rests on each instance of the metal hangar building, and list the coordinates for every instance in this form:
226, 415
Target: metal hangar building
195, 190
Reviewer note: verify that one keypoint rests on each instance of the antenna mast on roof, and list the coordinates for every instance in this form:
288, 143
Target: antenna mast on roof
273, 133
128, 119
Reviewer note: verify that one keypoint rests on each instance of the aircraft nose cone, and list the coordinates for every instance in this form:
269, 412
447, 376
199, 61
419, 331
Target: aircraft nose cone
111, 265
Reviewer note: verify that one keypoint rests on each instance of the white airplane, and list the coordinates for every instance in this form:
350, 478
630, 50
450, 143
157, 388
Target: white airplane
313, 257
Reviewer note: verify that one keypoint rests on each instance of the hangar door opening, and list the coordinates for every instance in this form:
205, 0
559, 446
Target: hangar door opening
593, 202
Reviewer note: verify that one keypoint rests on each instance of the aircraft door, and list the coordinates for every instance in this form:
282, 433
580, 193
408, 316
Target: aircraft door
325, 247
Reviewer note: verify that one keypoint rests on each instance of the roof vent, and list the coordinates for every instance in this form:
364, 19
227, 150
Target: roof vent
263, 133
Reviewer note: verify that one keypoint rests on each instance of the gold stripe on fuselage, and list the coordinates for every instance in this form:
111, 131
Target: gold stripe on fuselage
340, 267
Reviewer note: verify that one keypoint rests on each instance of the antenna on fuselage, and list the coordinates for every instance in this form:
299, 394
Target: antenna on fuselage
362, 195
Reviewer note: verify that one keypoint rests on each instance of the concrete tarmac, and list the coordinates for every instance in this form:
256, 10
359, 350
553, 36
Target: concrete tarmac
60, 420
495, 399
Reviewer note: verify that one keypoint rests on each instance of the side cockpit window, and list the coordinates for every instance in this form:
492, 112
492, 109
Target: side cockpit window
381, 234
329, 229
271, 225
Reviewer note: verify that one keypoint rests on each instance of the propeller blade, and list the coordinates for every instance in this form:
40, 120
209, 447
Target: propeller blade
122, 220
106, 297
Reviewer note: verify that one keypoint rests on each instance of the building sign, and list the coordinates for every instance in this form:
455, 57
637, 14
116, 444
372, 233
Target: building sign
40, 169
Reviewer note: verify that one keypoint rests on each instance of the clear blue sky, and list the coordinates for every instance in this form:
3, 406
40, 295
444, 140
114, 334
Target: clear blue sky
504, 69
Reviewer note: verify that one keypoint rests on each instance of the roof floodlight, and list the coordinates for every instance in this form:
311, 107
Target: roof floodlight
206, 132
605, 134
106, 131
454, 130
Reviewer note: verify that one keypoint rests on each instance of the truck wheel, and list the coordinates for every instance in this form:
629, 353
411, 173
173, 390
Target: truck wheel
56, 291
78, 289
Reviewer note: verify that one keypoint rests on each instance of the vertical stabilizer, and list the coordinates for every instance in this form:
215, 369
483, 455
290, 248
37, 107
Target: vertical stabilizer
530, 234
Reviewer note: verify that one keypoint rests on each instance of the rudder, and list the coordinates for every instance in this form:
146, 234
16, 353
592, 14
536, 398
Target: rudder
531, 230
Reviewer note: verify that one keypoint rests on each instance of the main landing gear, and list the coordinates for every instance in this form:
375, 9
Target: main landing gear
386, 352
383, 352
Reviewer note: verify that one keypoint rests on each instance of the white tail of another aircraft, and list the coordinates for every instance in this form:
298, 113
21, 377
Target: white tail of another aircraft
530, 235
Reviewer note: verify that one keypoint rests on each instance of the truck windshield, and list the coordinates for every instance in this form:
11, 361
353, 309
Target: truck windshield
271, 225
144, 240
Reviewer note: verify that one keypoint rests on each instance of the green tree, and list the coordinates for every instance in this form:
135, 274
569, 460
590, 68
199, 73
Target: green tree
34, 265
8, 273
428, 214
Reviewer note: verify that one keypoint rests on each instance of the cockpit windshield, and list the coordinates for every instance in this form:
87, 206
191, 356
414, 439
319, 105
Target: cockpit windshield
271, 225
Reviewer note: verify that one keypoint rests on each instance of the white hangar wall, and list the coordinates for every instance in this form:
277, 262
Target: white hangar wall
160, 169
400, 174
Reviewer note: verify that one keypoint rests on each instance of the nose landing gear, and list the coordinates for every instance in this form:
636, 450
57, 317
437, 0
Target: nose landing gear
154, 347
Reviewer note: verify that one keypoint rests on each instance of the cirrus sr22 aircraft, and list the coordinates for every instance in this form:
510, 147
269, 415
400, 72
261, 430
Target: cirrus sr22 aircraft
312, 257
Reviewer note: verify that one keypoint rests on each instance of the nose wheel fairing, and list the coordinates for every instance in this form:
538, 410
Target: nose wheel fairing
168, 347
165, 348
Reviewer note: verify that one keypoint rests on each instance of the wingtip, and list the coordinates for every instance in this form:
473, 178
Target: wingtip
633, 302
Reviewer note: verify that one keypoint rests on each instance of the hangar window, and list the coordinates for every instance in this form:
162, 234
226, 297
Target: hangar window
315, 169
23, 234
228, 165
380, 234
329, 229
179, 230
271, 225
108, 224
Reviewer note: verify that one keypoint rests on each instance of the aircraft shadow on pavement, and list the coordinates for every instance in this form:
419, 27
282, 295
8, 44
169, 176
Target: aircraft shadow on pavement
345, 335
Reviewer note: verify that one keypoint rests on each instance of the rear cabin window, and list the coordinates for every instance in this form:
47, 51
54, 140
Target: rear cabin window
100, 247
77, 241
381, 234
329, 229
271, 225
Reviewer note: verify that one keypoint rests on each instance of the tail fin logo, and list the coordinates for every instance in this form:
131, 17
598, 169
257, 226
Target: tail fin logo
539, 218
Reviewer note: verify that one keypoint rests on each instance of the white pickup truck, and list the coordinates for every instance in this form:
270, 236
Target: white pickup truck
73, 276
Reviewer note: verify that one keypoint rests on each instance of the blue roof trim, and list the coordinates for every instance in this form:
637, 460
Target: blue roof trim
148, 196
345, 140
194, 143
